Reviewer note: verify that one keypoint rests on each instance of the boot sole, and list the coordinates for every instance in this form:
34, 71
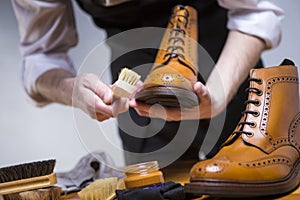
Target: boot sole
168, 96
236, 189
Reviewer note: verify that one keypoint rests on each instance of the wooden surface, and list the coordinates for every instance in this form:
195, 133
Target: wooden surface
180, 173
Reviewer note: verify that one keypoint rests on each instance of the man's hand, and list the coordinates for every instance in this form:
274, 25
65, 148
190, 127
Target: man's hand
86, 92
93, 97
206, 109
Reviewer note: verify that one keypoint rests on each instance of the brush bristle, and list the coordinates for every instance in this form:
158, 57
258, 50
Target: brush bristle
52, 193
125, 84
129, 76
27, 170
100, 189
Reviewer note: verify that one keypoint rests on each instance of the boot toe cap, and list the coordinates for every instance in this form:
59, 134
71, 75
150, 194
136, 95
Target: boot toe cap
209, 169
221, 169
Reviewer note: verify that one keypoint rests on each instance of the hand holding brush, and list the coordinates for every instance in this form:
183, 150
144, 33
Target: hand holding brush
95, 98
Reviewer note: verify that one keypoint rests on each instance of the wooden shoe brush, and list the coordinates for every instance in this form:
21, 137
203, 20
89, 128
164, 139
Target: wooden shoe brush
49, 193
126, 83
27, 176
101, 189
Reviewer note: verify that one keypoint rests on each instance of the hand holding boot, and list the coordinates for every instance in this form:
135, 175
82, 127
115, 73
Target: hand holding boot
206, 109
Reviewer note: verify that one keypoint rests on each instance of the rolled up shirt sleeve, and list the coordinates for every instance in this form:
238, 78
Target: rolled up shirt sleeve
47, 31
260, 18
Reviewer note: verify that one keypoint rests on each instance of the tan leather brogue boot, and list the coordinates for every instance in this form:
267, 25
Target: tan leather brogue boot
171, 79
261, 157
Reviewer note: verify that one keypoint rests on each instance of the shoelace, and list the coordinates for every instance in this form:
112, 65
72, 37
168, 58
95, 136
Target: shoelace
246, 112
176, 41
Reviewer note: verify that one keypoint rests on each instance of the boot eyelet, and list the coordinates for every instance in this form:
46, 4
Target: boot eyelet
260, 81
256, 113
257, 103
259, 92
253, 124
250, 134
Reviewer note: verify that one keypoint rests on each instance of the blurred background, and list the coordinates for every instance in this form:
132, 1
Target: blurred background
28, 133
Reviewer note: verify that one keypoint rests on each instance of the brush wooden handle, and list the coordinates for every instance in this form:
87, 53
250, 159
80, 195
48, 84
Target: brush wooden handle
125, 84
28, 184
122, 89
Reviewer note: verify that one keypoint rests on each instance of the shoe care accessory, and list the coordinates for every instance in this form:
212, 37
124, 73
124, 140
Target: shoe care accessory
49, 193
101, 189
143, 175
145, 181
126, 83
25, 177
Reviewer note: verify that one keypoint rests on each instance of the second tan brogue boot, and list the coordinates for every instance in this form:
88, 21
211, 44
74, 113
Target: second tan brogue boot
171, 79
261, 157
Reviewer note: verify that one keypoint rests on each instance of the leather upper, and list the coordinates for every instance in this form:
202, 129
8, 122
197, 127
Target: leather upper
279, 106
176, 60
266, 144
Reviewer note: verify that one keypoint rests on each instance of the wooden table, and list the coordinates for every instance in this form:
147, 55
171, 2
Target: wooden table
179, 173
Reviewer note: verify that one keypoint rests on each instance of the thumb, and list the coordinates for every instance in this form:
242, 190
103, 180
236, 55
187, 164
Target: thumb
120, 105
108, 96
104, 92
201, 90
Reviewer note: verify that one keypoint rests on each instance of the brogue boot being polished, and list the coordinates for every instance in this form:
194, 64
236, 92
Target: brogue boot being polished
171, 79
261, 157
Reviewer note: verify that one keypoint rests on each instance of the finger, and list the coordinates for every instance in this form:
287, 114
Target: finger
138, 87
133, 103
105, 93
101, 117
201, 90
140, 106
158, 111
168, 114
190, 113
91, 103
120, 105
101, 107
142, 113
98, 87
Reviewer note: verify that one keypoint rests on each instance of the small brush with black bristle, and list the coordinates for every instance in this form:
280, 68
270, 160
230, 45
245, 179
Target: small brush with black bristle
28, 176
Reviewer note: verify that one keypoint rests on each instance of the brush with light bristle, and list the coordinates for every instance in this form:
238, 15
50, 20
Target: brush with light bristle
101, 189
126, 83
26, 177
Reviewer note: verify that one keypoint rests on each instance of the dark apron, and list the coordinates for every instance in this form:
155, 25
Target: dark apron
212, 21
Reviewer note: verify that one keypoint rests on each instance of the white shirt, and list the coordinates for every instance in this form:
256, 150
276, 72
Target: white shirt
47, 31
